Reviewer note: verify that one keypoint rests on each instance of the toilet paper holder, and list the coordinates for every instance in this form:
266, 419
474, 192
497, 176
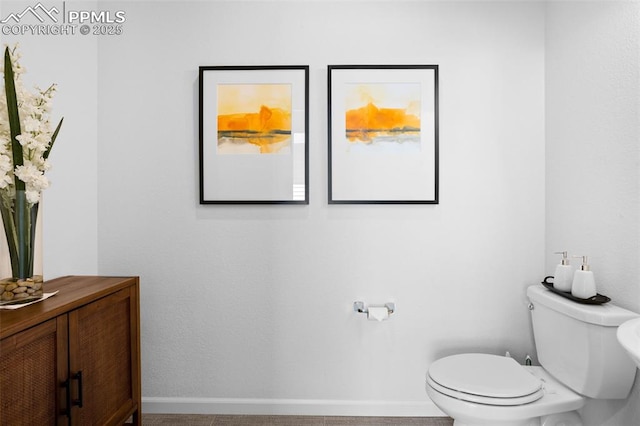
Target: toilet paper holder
361, 307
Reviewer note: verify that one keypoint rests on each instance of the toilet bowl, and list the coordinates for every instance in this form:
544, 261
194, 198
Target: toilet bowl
579, 355
483, 389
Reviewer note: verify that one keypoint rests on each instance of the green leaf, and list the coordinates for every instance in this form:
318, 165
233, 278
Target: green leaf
12, 238
45, 155
33, 221
23, 232
14, 118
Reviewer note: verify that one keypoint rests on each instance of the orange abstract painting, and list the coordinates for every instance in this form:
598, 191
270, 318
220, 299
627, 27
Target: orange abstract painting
254, 118
383, 113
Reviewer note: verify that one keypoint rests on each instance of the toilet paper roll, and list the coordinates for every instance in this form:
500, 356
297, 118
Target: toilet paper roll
377, 313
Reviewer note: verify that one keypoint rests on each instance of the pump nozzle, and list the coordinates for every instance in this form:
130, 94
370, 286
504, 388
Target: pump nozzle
585, 263
565, 260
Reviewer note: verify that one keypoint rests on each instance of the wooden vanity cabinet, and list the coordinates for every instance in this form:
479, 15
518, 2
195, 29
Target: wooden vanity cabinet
73, 359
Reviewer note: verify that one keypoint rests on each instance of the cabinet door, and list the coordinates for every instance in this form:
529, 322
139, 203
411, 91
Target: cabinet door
102, 357
33, 365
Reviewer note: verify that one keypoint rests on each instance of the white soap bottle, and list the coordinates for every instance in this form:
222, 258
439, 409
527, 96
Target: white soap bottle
563, 277
584, 284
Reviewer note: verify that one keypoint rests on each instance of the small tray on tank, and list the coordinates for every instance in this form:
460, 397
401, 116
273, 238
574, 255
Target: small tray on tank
598, 299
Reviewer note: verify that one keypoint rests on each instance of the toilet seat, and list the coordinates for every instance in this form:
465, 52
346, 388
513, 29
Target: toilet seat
485, 379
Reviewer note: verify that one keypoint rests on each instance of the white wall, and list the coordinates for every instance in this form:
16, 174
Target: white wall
261, 316
70, 205
593, 147
249, 308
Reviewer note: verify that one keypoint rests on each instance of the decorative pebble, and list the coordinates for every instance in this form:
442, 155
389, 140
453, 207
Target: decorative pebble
11, 289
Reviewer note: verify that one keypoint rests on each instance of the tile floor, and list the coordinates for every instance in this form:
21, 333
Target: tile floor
220, 420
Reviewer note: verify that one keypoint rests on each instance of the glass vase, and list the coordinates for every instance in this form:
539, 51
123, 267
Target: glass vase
26, 284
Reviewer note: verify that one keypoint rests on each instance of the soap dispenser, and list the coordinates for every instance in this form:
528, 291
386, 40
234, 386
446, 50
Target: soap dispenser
584, 284
563, 277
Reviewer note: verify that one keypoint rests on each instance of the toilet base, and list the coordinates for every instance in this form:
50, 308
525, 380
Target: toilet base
571, 418
531, 422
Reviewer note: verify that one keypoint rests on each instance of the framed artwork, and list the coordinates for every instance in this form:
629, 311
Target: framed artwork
254, 144
383, 134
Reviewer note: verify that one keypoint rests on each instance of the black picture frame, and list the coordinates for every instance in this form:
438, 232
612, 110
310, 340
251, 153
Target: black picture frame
386, 153
247, 154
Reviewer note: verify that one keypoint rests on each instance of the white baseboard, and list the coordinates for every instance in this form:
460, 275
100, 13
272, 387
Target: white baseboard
300, 407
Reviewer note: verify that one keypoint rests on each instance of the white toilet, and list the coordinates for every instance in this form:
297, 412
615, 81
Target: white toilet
580, 357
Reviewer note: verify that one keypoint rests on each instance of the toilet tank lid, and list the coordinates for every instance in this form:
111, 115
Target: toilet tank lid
607, 315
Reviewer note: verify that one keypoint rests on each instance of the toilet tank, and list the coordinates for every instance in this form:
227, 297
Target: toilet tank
577, 344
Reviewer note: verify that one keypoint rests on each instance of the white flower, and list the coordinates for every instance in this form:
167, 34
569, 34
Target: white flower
33, 109
5, 163
24, 139
5, 181
34, 180
6, 166
32, 196
4, 144
40, 184
31, 124
27, 172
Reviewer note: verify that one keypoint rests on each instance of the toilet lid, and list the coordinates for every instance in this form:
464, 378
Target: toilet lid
486, 375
